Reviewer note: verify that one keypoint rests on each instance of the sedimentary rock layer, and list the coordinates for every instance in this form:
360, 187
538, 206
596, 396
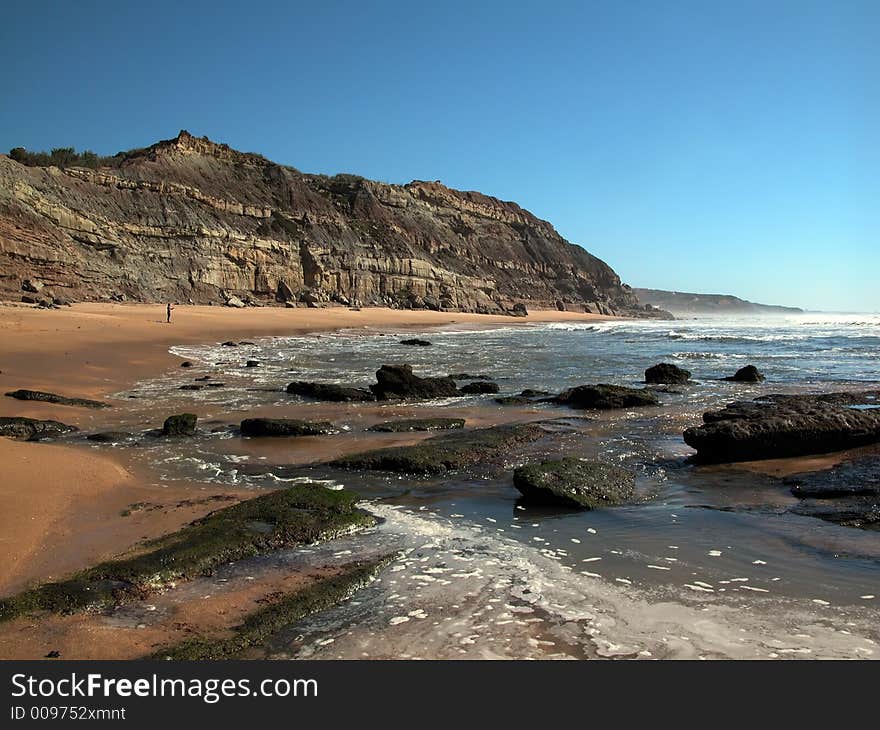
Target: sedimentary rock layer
191, 220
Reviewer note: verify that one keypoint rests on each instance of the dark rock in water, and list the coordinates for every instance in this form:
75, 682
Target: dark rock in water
418, 424
182, 424
468, 376
852, 478
574, 482
479, 387
747, 374
190, 386
861, 511
215, 385
605, 397
777, 426
252, 364
525, 398
665, 372
246, 342
398, 381
445, 452
285, 427
32, 429
57, 399
186, 364
110, 437
229, 343
203, 378
329, 392
519, 310
415, 341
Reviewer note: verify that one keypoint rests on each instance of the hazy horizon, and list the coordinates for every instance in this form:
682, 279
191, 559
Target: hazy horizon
719, 150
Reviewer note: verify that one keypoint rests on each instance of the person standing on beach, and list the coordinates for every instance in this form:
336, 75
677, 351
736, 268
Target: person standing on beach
168, 313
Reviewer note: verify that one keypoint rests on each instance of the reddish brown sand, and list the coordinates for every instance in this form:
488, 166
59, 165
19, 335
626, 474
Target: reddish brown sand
63, 508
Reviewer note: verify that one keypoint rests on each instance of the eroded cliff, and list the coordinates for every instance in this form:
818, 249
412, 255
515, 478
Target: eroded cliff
191, 220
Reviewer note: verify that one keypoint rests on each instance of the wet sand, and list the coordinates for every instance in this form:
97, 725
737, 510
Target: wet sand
63, 508
90, 350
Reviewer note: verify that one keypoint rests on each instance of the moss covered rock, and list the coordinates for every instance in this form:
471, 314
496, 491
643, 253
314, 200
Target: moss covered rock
285, 427
605, 397
575, 482
418, 424
182, 424
445, 452
299, 515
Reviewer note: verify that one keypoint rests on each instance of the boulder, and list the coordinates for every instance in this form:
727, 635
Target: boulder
479, 387
575, 483
747, 374
418, 424
182, 424
560, 305
283, 293
329, 392
60, 400
252, 364
519, 310
665, 372
229, 343
415, 341
32, 429
604, 397
398, 381
32, 285
234, 301
285, 427
186, 364
779, 426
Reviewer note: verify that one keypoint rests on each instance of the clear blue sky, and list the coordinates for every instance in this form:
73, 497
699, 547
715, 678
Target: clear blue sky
703, 146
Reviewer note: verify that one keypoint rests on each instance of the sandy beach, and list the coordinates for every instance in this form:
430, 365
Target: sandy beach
60, 505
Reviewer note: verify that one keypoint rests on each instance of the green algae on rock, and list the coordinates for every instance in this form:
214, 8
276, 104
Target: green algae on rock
298, 515
418, 424
262, 624
575, 482
444, 452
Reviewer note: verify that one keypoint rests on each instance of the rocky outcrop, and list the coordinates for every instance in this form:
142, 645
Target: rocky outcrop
778, 426
329, 392
574, 483
418, 424
747, 374
191, 220
445, 452
285, 427
847, 494
398, 381
182, 424
606, 397
666, 373
32, 429
60, 400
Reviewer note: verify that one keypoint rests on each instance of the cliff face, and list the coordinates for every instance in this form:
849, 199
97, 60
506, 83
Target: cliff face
191, 220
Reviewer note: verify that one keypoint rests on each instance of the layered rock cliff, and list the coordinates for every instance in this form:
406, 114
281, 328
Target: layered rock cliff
191, 220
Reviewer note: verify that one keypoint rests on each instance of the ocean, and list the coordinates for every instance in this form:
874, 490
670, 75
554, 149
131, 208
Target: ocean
708, 561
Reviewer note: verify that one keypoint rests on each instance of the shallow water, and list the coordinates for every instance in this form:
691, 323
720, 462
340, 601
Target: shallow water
699, 534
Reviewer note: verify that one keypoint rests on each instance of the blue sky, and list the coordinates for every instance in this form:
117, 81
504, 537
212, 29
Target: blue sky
726, 147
